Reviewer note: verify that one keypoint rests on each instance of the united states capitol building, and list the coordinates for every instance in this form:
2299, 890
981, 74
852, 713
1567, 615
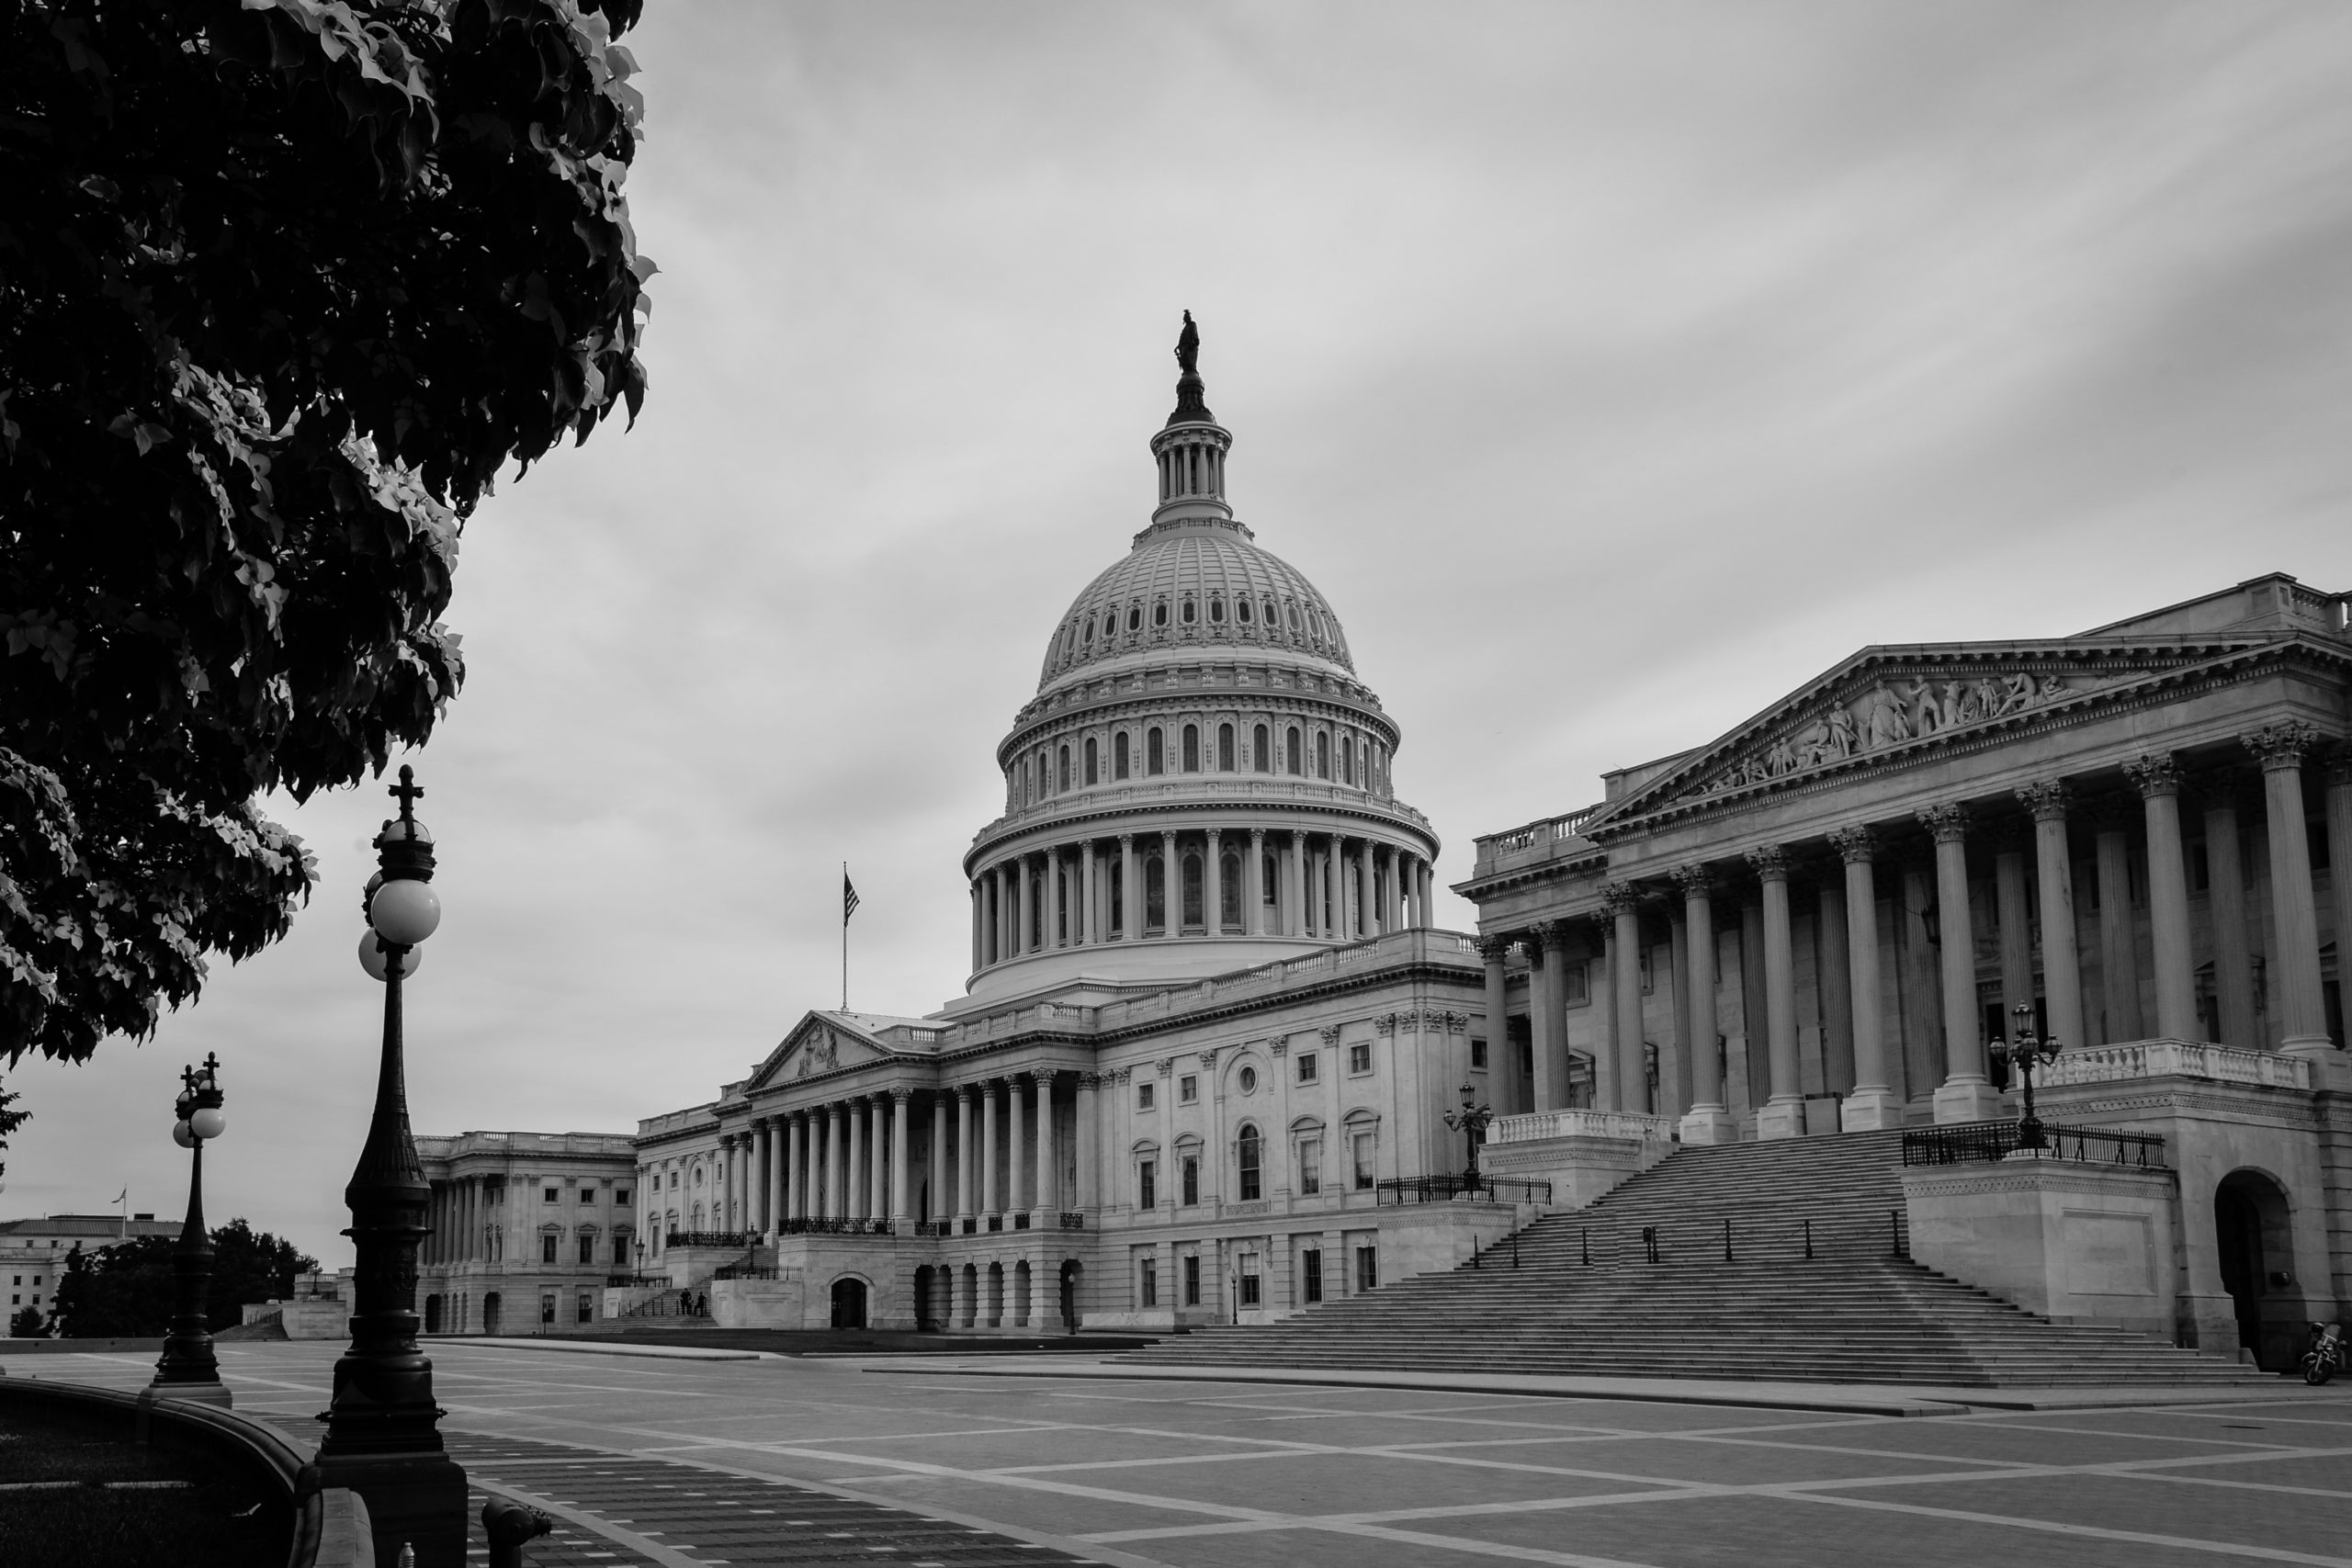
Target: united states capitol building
1212, 1061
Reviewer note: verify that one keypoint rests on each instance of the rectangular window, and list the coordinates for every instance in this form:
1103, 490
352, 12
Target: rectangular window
551, 1194
1361, 1147
1188, 1089
1307, 1068
587, 1307
620, 1250
1192, 1168
1119, 755
1360, 1058
1478, 1053
1155, 753
1311, 1270
1578, 985
547, 1248
587, 1249
547, 1309
1649, 985
620, 1196
587, 1195
1250, 1290
1147, 1184
1367, 1270
1144, 1092
1310, 1165
1148, 1283
1192, 1281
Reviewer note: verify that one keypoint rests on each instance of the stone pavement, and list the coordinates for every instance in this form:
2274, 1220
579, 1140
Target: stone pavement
673, 1462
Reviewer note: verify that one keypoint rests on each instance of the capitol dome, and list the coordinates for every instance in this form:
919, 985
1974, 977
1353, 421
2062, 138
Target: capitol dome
1200, 783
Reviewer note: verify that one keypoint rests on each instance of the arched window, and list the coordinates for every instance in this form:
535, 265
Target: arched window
1192, 611
1159, 614
1086, 631
1246, 1156
1241, 609
1262, 755
1191, 748
1062, 766
1135, 616
1346, 760
1155, 893
1155, 751
1119, 755
1322, 753
1293, 758
1216, 611
1193, 890
1118, 921
1294, 617
1267, 874
1228, 893
1225, 748
1090, 760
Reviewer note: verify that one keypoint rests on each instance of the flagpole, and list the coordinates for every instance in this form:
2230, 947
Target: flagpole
844, 941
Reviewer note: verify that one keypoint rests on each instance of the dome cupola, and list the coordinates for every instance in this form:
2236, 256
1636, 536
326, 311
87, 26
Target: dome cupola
1200, 783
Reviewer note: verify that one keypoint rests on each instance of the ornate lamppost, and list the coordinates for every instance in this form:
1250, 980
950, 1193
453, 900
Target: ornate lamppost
382, 1437
1472, 1122
188, 1369
2025, 1050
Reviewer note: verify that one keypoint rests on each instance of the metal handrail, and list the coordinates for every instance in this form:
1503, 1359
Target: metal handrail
1782, 1239
1967, 1141
816, 1225
1441, 1188
711, 1238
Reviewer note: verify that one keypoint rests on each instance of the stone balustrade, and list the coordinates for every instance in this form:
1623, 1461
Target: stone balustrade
2174, 1058
1580, 1124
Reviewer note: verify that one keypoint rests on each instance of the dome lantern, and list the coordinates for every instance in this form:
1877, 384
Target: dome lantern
1191, 448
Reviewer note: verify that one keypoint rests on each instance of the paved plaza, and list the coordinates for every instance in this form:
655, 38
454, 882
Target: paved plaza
672, 1462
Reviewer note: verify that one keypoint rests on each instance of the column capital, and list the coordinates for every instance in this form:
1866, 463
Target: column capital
1854, 845
1214, 833
1208, 1058
1770, 862
1545, 936
1257, 835
1694, 881
2046, 798
900, 1096
1126, 841
2154, 773
2283, 744
2339, 765
1620, 898
1948, 824
1494, 949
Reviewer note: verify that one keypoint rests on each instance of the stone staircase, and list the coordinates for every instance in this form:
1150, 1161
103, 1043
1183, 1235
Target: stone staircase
1773, 1260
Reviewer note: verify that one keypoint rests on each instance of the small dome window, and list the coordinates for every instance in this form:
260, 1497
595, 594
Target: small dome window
1135, 616
1216, 611
1110, 624
1241, 609
1086, 631
1159, 614
1192, 611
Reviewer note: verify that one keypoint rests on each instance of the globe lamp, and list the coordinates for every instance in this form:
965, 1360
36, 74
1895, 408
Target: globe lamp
376, 961
207, 1122
405, 911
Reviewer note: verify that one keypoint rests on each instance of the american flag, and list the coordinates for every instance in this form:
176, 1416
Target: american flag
849, 896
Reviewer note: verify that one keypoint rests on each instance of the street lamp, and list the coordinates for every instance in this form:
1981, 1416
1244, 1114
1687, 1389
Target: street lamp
382, 1439
1471, 1122
188, 1369
2025, 1050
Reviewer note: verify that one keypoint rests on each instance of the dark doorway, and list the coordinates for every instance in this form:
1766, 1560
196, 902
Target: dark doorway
849, 1304
927, 1283
1070, 1296
490, 1313
433, 1315
2251, 1233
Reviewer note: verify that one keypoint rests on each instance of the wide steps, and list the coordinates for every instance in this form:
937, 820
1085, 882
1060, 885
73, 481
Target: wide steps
1575, 1294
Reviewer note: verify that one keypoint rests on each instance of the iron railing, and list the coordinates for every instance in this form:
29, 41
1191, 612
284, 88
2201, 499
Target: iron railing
710, 1239
749, 1272
1776, 1238
825, 1225
934, 1227
1445, 1189
1967, 1141
1073, 1220
626, 1282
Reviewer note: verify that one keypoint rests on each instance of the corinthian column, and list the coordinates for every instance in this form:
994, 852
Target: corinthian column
2225, 902
964, 1187
2062, 975
1501, 1075
1781, 1116
1625, 995
1130, 890
1213, 884
1707, 1121
900, 1211
1873, 1103
1253, 886
2157, 778
1967, 1095
2119, 950
1546, 1024
2294, 915
1172, 888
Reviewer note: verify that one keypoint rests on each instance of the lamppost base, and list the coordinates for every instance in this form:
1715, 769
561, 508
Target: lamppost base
417, 1500
198, 1392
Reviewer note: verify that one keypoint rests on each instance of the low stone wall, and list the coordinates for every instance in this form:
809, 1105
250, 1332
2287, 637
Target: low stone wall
2078, 1243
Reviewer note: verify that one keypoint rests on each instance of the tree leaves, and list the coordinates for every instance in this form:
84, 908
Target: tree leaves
283, 285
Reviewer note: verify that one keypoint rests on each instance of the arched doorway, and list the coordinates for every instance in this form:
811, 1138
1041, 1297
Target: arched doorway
849, 1303
433, 1315
2256, 1257
1024, 1311
995, 1312
1071, 1273
490, 1313
967, 1304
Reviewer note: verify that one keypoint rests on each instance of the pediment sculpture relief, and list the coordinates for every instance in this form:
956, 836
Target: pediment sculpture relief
1898, 709
819, 1053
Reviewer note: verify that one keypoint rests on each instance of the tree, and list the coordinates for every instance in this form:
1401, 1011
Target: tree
284, 285
9, 1119
124, 1290
28, 1323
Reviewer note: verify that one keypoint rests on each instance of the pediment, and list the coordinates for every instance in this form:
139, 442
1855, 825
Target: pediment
1889, 704
819, 1043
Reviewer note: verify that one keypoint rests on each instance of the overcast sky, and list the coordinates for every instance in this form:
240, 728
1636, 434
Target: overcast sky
1611, 368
